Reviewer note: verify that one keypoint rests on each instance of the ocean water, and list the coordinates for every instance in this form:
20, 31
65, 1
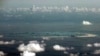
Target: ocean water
56, 28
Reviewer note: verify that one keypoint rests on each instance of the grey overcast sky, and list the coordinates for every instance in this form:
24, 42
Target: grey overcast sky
29, 3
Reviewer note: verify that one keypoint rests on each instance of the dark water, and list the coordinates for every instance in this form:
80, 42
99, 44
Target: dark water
60, 27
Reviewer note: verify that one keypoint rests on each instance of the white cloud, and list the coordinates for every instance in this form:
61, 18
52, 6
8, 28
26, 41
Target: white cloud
2, 53
96, 52
53, 8
93, 10
21, 47
86, 22
82, 9
64, 8
23, 9
71, 54
59, 48
1, 36
71, 48
89, 45
7, 42
33, 46
27, 53
67, 9
99, 10
65, 52
96, 44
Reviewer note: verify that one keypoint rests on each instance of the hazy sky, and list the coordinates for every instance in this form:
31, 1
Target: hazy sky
29, 3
